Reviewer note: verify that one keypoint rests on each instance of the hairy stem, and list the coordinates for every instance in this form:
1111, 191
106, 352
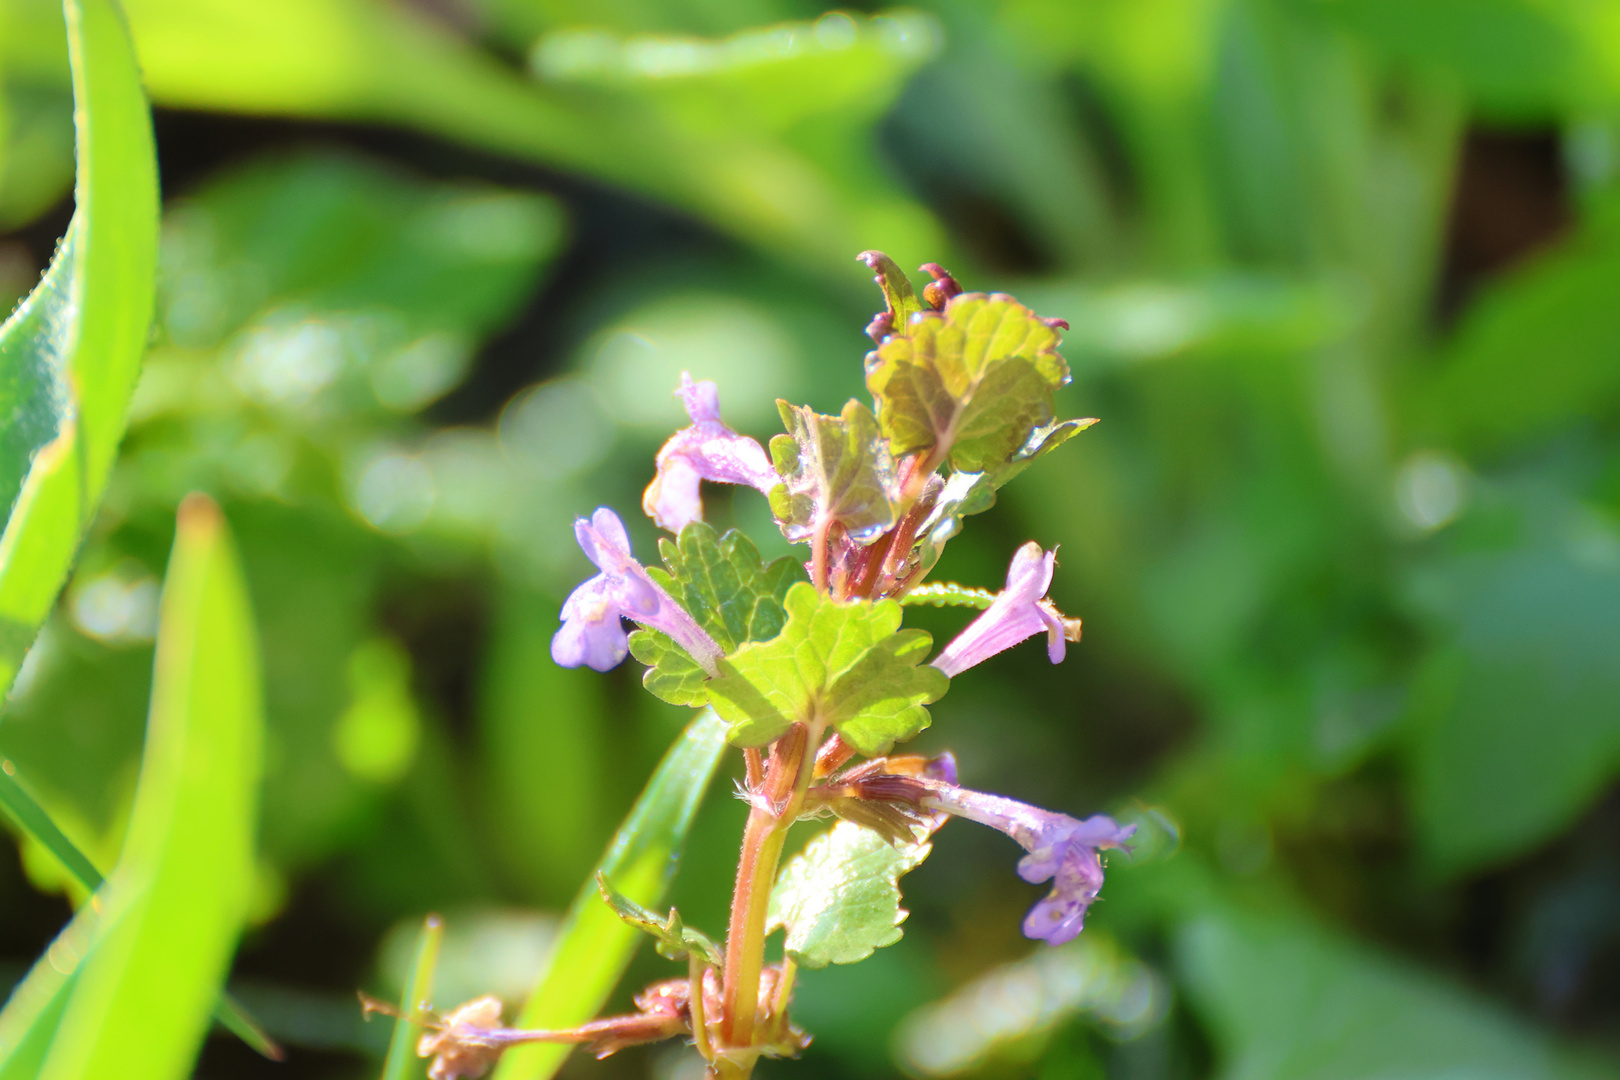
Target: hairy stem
818, 555
776, 806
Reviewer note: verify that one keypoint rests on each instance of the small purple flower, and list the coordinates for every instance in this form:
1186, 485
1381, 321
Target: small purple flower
708, 450
1061, 848
1020, 611
592, 632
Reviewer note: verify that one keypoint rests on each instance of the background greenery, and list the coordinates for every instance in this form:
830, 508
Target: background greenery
1342, 280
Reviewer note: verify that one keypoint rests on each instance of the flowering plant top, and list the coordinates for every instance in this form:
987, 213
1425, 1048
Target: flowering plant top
807, 663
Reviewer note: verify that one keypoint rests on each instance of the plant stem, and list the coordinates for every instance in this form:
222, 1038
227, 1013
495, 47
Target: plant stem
818, 555
778, 803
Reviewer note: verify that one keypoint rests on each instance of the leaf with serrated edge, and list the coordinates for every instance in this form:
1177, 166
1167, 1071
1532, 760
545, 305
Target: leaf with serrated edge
840, 898
835, 470
723, 583
848, 665
672, 675
976, 379
675, 938
974, 493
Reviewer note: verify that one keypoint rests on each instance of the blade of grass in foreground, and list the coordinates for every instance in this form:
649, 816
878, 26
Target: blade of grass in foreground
418, 991
173, 906
70, 354
31, 819
35, 1007
595, 946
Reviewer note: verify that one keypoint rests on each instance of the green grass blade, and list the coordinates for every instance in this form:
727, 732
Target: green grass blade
234, 1018
595, 946
31, 819
417, 999
176, 901
70, 353
35, 1007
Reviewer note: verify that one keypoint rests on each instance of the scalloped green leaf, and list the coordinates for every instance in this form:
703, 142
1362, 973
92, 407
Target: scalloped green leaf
675, 939
845, 664
970, 384
835, 470
840, 898
723, 583
672, 675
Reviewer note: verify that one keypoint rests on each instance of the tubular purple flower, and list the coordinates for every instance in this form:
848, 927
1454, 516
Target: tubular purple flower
708, 450
1020, 611
1061, 849
592, 633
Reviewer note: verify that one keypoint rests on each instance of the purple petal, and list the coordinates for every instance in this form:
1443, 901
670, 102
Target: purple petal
1019, 611
708, 450
1030, 574
674, 499
1056, 641
702, 400
592, 633
623, 588
1057, 919
1068, 856
942, 768
603, 539
607, 523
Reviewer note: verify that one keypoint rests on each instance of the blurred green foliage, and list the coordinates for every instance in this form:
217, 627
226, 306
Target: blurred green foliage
1346, 541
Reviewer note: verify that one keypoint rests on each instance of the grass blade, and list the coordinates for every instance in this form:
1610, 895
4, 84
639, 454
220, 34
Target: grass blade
595, 946
173, 906
35, 1008
31, 819
417, 999
70, 353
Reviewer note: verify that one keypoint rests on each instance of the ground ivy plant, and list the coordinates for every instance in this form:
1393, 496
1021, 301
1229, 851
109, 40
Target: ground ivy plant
809, 667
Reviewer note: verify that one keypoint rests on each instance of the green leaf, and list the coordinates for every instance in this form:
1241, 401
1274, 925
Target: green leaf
897, 293
1286, 1000
848, 665
34, 1010
724, 584
175, 903
718, 139
31, 819
1558, 307
416, 999
70, 353
594, 946
1527, 633
672, 675
967, 493
840, 898
971, 384
835, 470
675, 939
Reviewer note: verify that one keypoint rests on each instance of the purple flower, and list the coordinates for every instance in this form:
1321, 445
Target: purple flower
1020, 611
1061, 849
592, 632
708, 450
